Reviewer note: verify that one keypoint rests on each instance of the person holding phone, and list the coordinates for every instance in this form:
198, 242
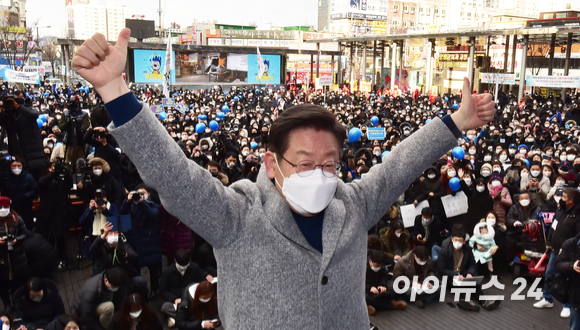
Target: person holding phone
198, 308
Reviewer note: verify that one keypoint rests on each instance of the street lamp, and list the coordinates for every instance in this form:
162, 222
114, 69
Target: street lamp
37, 37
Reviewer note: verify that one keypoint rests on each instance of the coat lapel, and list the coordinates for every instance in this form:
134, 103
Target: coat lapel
334, 218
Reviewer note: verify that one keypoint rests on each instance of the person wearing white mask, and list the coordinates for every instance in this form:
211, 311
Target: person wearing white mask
101, 178
135, 314
536, 184
502, 200
417, 263
198, 308
377, 296
456, 261
13, 233
519, 213
22, 189
395, 240
38, 303
297, 191
175, 278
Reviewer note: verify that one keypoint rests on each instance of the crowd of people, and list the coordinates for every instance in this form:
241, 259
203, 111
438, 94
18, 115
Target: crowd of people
58, 151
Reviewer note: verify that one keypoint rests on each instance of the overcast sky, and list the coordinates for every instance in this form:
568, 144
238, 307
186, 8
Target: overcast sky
184, 12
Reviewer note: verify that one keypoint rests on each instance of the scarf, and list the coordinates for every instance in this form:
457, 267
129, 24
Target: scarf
99, 222
426, 226
497, 190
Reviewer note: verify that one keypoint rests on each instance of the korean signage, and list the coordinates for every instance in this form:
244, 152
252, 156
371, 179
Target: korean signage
212, 33
260, 34
498, 78
497, 54
149, 66
19, 76
376, 133
325, 80
457, 57
553, 81
363, 9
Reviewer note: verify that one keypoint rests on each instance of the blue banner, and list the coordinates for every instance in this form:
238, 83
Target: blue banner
157, 109
150, 65
272, 69
376, 133
169, 102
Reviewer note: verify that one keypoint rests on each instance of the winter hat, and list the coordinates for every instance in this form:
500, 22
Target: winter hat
5, 202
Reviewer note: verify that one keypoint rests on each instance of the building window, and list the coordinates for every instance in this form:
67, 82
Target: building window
468, 15
395, 23
442, 12
396, 7
462, 14
413, 9
412, 24
404, 24
429, 11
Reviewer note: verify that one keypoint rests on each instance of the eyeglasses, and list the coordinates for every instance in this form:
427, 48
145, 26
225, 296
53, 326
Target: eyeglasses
305, 168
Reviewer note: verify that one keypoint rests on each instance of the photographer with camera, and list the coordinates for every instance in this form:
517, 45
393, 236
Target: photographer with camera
52, 222
101, 140
144, 234
13, 262
22, 189
231, 167
98, 176
24, 139
74, 123
94, 218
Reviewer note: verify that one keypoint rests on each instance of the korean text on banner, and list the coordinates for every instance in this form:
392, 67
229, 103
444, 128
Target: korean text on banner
169, 102
455, 205
157, 108
325, 80
553, 81
376, 133
21, 77
409, 212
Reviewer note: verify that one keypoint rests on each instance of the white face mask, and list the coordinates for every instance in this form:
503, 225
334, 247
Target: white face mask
535, 173
480, 188
136, 314
571, 157
503, 158
420, 263
5, 327
512, 151
485, 173
467, 181
112, 239
560, 183
375, 269
245, 153
486, 158
398, 234
457, 245
17, 171
495, 184
181, 268
431, 176
451, 173
497, 170
557, 199
523, 151
204, 301
4, 212
98, 172
310, 194
472, 152
37, 299
563, 158
525, 202
491, 221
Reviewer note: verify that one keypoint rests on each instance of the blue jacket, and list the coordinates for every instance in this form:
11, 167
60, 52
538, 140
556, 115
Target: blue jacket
144, 233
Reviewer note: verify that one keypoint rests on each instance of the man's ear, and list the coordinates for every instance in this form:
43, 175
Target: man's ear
270, 163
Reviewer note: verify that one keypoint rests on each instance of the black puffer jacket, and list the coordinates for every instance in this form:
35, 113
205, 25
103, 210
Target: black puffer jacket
22, 190
433, 186
16, 259
569, 254
36, 315
568, 226
24, 137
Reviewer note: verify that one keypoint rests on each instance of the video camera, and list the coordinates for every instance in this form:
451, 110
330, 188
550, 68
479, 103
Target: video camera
99, 197
9, 241
62, 168
99, 135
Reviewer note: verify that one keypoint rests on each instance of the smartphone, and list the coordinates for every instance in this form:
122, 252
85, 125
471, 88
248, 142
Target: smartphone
214, 322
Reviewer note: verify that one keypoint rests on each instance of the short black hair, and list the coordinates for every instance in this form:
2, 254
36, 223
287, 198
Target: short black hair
35, 284
458, 231
426, 211
421, 253
573, 193
377, 257
182, 257
116, 276
143, 186
303, 116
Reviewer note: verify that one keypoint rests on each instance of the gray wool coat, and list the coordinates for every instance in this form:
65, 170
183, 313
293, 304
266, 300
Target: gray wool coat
270, 277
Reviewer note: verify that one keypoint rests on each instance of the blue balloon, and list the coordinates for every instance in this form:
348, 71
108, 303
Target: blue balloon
221, 115
214, 125
253, 145
446, 99
225, 108
527, 162
257, 91
200, 128
236, 98
454, 184
202, 117
372, 94
385, 153
427, 121
163, 115
39, 122
458, 152
43, 118
46, 94
354, 134
374, 120
455, 106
